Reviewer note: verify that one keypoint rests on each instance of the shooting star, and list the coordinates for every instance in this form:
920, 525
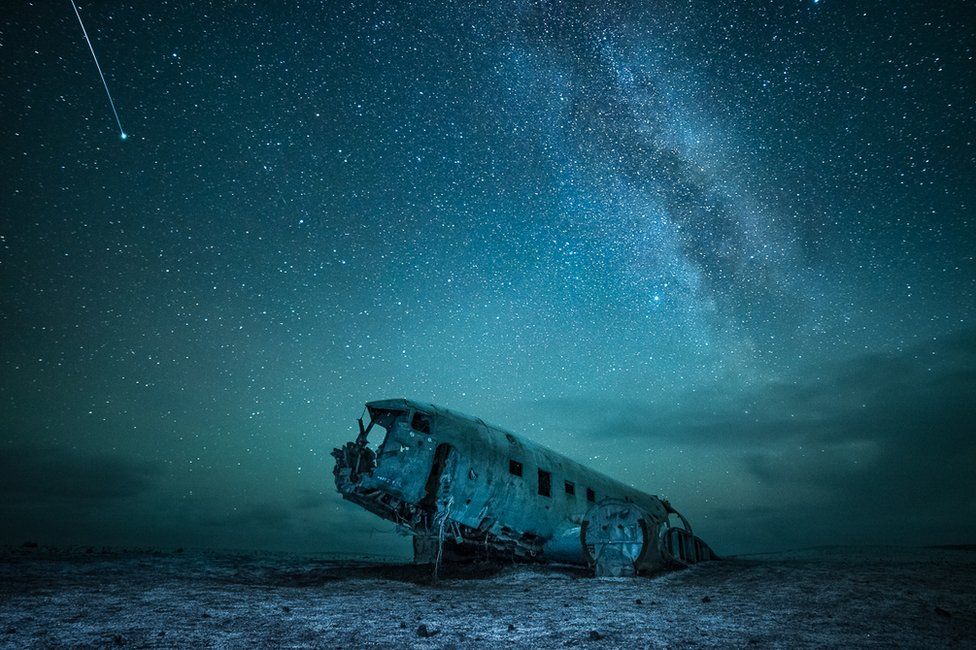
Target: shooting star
111, 102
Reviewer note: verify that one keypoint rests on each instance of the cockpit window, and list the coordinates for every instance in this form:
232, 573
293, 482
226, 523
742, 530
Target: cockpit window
420, 422
385, 419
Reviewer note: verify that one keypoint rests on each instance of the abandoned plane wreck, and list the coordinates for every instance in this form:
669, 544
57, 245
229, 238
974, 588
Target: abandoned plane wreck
467, 490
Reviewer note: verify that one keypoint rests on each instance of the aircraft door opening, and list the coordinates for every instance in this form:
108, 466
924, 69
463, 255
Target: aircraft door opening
437, 479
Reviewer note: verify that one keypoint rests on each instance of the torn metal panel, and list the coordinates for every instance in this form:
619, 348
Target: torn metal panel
465, 489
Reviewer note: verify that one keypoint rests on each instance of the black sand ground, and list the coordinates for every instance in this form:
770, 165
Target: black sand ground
826, 597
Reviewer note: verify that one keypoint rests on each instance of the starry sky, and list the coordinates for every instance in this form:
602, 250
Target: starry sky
722, 251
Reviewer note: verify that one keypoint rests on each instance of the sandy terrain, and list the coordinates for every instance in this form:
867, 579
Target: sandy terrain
888, 597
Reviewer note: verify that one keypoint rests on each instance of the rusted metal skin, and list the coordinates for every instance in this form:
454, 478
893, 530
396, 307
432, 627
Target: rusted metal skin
465, 489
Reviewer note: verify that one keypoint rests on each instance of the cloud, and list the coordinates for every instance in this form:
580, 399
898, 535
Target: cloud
879, 446
56, 495
883, 432
871, 397
268, 516
47, 474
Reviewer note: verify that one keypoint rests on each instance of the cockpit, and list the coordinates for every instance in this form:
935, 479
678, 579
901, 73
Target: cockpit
396, 433
388, 467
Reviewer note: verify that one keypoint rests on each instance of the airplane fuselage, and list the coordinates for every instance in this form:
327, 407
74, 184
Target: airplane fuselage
459, 484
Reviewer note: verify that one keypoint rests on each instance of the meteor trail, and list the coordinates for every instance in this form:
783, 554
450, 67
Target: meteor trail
111, 102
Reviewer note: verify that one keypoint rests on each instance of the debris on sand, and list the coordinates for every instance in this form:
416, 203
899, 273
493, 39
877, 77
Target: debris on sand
67, 598
425, 632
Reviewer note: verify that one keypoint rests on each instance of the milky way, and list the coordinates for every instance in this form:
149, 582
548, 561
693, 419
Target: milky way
721, 250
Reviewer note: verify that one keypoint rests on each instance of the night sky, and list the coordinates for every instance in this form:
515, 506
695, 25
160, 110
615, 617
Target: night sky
723, 251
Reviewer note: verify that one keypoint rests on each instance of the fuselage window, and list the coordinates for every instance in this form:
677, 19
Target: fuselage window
515, 468
590, 495
570, 488
420, 422
545, 483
